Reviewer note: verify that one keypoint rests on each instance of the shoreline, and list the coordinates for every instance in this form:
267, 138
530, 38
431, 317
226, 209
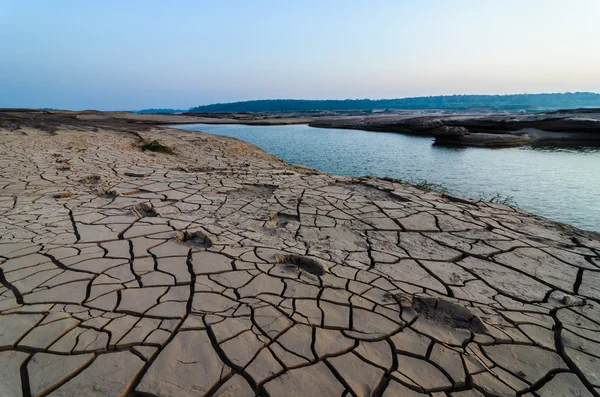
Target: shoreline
495, 130
579, 126
221, 268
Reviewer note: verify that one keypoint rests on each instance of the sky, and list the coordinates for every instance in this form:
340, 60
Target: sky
126, 55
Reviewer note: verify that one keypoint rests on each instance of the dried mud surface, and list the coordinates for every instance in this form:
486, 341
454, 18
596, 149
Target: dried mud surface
223, 271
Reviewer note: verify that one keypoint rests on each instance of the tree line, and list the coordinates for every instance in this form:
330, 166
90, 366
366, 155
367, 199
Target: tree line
516, 101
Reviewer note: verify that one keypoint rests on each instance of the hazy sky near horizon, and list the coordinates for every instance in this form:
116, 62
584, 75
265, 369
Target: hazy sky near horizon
137, 54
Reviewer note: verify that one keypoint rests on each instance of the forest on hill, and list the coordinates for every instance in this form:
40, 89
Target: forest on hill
457, 102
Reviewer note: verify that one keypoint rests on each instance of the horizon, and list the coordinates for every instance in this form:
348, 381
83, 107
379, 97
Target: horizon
142, 55
308, 99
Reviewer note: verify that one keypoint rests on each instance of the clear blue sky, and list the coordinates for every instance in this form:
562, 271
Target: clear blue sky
132, 54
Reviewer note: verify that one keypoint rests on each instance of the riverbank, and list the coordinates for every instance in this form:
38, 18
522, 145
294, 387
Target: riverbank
478, 129
221, 269
466, 128
558, 182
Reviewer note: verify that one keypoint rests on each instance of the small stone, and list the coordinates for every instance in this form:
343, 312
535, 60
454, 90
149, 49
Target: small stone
145, 209
91, 179
102, 191
137, 174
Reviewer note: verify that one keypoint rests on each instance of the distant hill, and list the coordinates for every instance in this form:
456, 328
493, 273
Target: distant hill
458, 102
158, 111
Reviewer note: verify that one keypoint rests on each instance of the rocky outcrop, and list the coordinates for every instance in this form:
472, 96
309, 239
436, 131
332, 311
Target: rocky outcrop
444, 131
564, 122
482, 130
483, 139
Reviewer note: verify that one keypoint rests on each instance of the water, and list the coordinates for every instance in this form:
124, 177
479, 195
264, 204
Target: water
560, 183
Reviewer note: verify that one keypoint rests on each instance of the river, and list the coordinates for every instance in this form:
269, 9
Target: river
560, 183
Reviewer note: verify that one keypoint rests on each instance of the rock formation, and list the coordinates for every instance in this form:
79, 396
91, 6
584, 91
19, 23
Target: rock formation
580, 125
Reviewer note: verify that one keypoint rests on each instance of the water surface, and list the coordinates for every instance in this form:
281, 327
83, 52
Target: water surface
560, 183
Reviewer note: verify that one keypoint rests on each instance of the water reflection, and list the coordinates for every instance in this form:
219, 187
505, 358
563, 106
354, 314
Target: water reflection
564, 147
448, 147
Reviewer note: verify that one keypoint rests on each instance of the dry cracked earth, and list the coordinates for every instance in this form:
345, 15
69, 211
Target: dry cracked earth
221, 271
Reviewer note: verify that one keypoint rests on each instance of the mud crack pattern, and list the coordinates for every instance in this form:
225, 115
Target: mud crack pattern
96, 300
